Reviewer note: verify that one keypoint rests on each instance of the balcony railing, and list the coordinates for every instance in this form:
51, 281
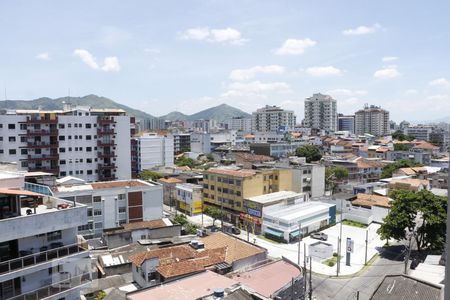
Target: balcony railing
40, 145
40, 121
107, 167
106, 155
42, 157
54, 170
42, 132
29, 260
105, 131
105, 143
55, 288
105, 121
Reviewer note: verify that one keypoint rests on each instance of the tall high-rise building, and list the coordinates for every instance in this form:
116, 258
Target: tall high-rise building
91, 144
272, 118
346, 123
321, 112
373, 120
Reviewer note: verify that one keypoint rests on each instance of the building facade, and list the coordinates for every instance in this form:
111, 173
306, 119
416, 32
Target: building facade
41, 255
154, 151
189, 198
92, 144
419, 132
227, 189
373, 120
272, 118
181, 142
239, 124
201, 143
346, 123
112, 204
321, 113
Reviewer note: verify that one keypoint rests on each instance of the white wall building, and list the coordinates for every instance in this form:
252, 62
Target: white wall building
200, 143
154, 151
92, 144
239, 124
373, 120
272, 118
41, 256
321, 112
111, 204
419, 132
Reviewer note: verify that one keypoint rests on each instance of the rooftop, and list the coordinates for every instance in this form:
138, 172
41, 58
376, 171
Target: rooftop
104, 185
371, 200
296, 211
269, 278
192, 287
401, 287
170, 180
237, 173
147, 224
275, 197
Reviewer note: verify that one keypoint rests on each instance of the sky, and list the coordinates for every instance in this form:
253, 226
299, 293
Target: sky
161, 56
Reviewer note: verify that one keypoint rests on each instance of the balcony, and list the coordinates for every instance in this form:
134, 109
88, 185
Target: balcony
51, 132
101, 132
35, 145
56, 288
47, 169
107, 167
40, 121
33, 259
105, 121
106, 155
106, 143
110, 177
43, 157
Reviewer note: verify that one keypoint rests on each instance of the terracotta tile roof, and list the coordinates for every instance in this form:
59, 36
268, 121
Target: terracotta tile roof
249, 136
17, 192
183, 168
239, 173
425, 145
145, 224
367, 164
371, 200
117, 184
407, 184
166, 255
170, 180
382, 149
236, 249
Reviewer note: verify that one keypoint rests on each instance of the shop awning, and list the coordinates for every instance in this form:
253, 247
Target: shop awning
294, 233
274, 232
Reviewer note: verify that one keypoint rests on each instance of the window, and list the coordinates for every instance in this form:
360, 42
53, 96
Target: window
80, 148
122, 209
211, 187
88, 160
69, 137
88, 125
89, 212
62, 150
1, 125
75, 125
122, 196
80, 137
75, 137
238, 182
12, 151
79, 124
12, 139
23, 151
12, 126
62, 162
89, 137
97, 212
97, 199
62, 174
61, 126
69, 125
23, 139
238, 193
89, 172
54, 235
24, 127
70, 149
1, 138
98, 225
219, 179
62, 138
24, 164
225, 191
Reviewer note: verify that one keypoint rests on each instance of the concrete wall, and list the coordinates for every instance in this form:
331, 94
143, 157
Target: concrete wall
123, 147
248, 261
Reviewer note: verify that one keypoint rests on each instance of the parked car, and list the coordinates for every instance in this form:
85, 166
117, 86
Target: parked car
319, 236
231, 229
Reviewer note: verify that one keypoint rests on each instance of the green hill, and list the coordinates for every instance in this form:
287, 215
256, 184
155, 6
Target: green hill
220, 113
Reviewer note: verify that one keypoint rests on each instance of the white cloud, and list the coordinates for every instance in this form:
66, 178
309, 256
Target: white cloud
346, 92
388, 72
224, 35
245, 74
439, 97
110, 63
256, 88
152, 50
43, 56
411, 92
295, 47
362, 30
323, 71
440, 82
389, 58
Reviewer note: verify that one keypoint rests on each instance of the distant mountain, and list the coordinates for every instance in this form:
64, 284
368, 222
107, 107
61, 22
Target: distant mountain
220, 113
89, 100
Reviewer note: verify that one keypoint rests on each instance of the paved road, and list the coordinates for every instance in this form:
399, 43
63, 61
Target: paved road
346, 288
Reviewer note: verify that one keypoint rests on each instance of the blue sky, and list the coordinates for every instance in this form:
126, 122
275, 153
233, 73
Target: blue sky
160, 56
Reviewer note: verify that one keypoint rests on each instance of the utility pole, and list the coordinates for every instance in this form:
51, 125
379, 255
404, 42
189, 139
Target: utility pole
299, 239
304, 268
367, 241
310, 278
221, 214
338, 267
357, 295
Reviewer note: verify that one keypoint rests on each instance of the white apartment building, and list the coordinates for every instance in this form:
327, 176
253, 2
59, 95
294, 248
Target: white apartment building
272, 118
92, 144
189, 198
41, 256
321, 112
419, 132
201, 143
373, 120
111, 204
239, 124
202, 125
154, 151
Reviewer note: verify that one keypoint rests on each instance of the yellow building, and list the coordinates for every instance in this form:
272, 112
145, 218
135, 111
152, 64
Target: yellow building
230, 187
189, 198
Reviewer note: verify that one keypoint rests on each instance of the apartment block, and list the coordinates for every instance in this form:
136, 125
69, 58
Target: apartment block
239, 124
41, 256
92, 144
346, 123
153, 150
228, 188
189, 198
272, 118
321, 112
419, 132
181, 142
114, 203
372, 120
201, 143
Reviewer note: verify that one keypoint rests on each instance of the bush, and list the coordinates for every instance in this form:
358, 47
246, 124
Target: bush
335, 254
331, 263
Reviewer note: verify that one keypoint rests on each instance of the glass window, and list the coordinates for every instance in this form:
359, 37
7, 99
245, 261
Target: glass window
55, 235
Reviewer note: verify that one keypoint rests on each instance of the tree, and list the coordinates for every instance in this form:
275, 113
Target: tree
333, 175
150, 175
311, 152
185, 161
421, 213
213, 212
180, 219
399, 135
401, 147
391, 168
210, 157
